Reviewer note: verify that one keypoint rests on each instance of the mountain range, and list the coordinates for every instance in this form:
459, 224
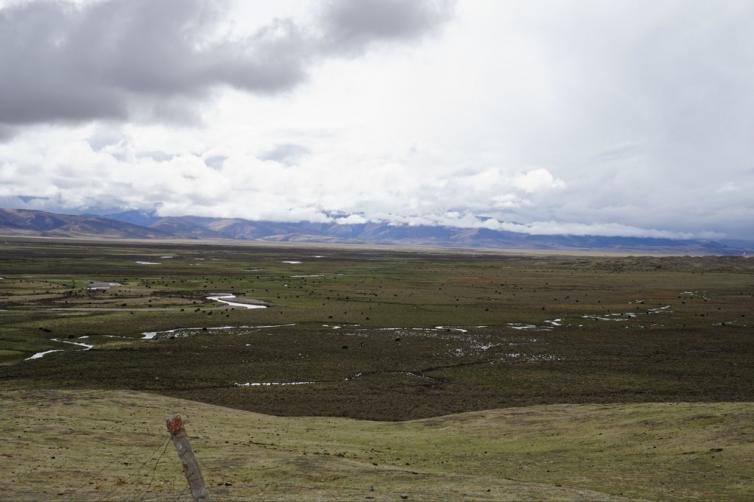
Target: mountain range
143, 225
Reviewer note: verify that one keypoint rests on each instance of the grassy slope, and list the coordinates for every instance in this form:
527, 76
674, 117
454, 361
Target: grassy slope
96, 445
656, 451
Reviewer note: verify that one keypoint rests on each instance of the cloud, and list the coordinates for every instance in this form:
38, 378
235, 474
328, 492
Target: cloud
215, 161
351, 26
595, 229
6, 133
103, 138
138, 59
351, 219
285, 153
254, 188
513, 118
537, 180
161, 156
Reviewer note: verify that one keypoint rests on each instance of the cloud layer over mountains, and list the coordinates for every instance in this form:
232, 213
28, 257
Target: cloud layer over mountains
608, 118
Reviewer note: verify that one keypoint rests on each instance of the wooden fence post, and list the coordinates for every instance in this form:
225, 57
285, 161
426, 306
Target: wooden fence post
186, 454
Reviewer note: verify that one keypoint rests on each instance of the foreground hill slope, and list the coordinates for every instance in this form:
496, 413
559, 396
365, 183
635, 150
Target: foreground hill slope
111, 445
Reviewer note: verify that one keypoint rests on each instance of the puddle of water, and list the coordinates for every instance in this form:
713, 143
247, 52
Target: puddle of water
225, 297
544, 357
620, 316
139, 262
520, 326
483, 347
460, 330
532, 357
79, 344
625, 316
731, 324
270, 384
40, 355
528, 327
181, 332
693, 294
407, 373
103, 285
292, 262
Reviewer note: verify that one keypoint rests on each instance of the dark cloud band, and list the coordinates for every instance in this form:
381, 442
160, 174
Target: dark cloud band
121, 59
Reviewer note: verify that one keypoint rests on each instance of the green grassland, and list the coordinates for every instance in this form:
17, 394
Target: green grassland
363, 325
110, 445
553, 377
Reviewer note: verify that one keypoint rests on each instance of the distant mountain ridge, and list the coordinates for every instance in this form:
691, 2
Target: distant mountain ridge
42, 223
140, 225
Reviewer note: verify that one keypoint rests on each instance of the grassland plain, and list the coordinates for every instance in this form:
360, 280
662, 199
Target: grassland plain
384, 335
395, 335
108, 445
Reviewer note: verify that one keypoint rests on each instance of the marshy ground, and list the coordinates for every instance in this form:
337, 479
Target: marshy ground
395, 335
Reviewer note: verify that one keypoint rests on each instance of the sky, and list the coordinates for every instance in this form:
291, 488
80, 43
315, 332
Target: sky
610, 117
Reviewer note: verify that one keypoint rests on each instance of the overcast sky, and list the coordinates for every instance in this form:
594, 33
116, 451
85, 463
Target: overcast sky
603, 117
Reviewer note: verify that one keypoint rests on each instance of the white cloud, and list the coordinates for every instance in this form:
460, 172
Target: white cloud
509, 117
537, 180
351, 219
597, 229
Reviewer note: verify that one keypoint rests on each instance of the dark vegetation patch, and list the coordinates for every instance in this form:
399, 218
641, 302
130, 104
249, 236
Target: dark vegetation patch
381, 334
